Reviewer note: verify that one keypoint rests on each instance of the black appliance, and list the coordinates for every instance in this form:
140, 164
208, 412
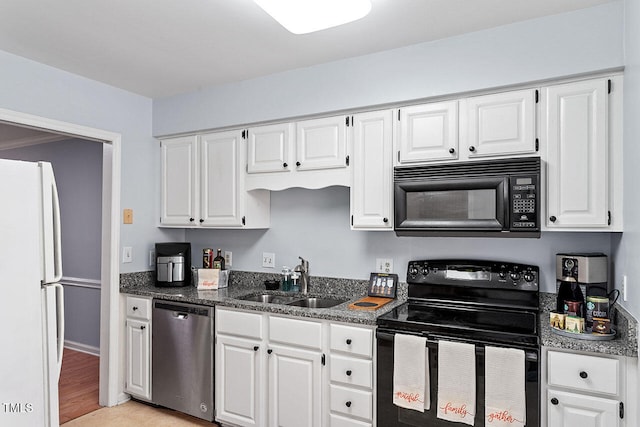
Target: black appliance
485, 303
173, 264
492, 198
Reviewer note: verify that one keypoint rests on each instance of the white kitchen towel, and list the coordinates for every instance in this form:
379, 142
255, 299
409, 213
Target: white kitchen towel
505, 403
411, 372
456, 382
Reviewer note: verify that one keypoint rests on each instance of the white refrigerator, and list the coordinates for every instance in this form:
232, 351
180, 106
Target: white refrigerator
31, 299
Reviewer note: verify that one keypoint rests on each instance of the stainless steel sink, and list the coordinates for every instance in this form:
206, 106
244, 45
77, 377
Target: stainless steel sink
269, 298
312, 302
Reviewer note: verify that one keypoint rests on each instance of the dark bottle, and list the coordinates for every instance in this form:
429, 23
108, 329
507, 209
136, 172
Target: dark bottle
218, 261
570, 291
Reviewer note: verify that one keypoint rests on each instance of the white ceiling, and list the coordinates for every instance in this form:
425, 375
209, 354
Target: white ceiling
160, 48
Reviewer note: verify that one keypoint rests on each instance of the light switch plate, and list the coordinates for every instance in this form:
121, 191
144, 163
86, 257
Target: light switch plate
228, 258
127, 254
268, 259
384, 265
127, 216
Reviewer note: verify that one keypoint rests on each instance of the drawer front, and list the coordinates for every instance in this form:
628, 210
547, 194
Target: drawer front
351, 339
239, 323
351, 402
351, 371
139, 308
295, 332
338, 421
583, 372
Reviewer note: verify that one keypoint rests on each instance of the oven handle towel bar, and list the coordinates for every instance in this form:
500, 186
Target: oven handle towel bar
530, 354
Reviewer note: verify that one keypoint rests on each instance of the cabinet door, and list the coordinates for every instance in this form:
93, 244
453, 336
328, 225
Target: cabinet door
179, 181
502, 123
321, 143
269, 148
428, 132
577, 158
572, 409
372, 189
138, 378
219, 179
294, 387
238, 381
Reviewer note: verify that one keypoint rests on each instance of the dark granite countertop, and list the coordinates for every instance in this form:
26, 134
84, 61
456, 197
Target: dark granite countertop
624, 344
243, 283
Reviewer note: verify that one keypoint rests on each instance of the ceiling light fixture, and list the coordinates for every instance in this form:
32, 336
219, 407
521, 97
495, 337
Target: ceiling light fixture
306, 16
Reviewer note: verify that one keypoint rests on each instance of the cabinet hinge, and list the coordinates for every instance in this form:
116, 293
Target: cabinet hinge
244, 220
398, 156
243, 133
347, 121
621, 410
324, 360
352, 220
609, 86
537, 96
347, 160
246, 167
537, 144
398, 114
608, 217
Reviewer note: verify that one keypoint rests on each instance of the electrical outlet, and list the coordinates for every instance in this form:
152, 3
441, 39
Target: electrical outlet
152, 258
268, 259
384, 265
227, 258
127, 254
624, 287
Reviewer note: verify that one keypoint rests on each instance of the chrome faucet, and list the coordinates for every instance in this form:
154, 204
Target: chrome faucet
303, 270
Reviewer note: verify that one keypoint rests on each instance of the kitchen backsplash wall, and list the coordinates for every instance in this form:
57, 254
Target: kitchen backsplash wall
314, 224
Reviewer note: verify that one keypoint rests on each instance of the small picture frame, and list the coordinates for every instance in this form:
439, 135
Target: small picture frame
383, 285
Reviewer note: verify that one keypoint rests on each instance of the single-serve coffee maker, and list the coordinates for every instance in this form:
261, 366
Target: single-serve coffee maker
173, 264
581, 277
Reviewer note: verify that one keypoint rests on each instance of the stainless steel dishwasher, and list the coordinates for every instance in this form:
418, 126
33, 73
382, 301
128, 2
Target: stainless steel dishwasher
182, 358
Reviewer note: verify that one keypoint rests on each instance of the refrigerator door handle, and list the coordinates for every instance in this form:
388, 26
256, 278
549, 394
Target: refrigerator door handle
60, 321
51, 230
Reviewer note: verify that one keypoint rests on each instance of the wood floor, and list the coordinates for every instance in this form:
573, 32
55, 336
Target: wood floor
78, 386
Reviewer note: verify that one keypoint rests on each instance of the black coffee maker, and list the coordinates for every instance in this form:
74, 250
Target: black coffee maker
173, 264
580, 275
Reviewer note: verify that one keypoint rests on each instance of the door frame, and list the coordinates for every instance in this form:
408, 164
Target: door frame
109, 267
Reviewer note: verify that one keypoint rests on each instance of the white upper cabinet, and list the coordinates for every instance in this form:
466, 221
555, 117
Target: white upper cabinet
219, 192
501, 123
202, 185
577, 155
372, 188
269, 148
428, 132
309, 154
180, 181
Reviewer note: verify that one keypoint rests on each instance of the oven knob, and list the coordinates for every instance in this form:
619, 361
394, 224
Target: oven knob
529, 276
515, 276
413, 271
502, 274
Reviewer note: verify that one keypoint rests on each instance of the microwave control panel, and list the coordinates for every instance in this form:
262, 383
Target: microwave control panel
524, 202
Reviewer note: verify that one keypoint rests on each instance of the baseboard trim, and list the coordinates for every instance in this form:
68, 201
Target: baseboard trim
84, 348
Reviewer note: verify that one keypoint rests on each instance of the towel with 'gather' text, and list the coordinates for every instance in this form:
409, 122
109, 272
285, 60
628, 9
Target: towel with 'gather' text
505, 401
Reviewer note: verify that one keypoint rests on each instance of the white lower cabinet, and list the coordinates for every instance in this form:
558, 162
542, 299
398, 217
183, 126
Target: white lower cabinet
275, 370
138, 346
584, 390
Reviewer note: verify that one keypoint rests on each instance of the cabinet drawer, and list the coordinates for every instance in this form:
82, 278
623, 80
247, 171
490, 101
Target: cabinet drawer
295, 332
583, 372
351, 402
139, 308
239, 323
352, 340
338, 421
350, 371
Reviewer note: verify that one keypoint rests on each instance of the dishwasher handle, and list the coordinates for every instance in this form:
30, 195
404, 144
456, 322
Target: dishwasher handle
181, 316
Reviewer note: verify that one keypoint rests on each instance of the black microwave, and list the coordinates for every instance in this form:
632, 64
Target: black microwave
489, 198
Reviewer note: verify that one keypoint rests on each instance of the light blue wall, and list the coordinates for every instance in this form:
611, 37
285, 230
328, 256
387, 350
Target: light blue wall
315, 224
627, 250
29, 87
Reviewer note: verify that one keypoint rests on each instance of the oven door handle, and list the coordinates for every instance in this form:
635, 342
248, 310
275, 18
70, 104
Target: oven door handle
530, 354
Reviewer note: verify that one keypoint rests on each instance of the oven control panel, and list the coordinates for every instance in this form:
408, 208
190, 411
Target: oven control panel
474, 273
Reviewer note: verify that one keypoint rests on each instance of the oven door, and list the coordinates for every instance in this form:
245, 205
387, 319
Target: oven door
389, 415
451, 205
